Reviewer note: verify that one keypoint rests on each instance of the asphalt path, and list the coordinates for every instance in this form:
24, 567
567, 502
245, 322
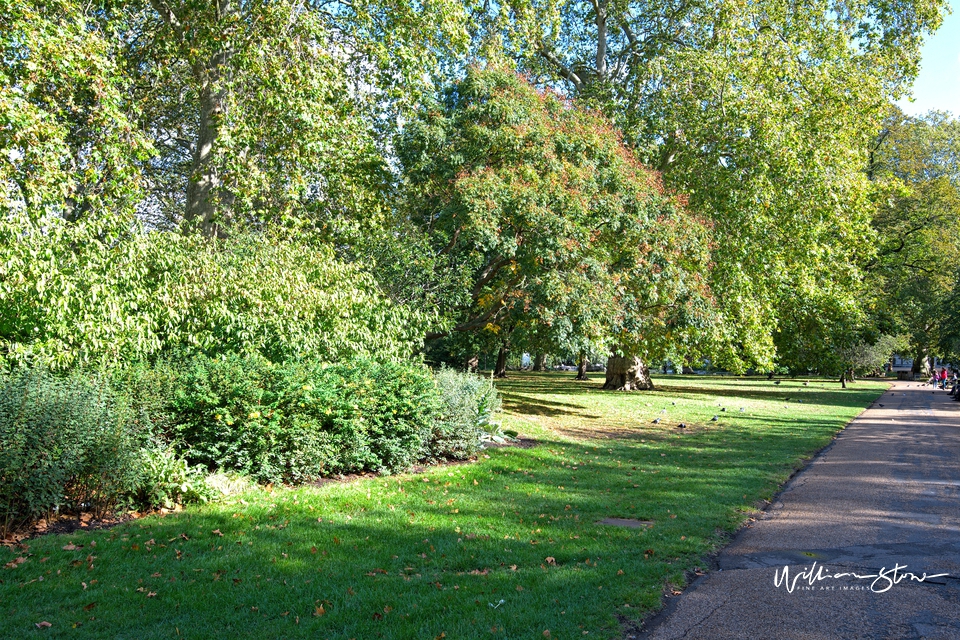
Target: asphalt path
884, 501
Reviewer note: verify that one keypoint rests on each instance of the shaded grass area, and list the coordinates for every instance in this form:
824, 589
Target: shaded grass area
421, 555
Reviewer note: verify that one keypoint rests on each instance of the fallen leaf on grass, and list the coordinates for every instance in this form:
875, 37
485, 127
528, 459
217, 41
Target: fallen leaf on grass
551, 560
216, 532
84, 585
88, 607
13, 564
319, 610
71, 547
43, 625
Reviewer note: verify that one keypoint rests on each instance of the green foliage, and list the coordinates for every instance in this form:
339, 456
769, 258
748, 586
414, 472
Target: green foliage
543, 223
70, 144
295, 422
764, 115
166, 480
917, 190
470, 404
70, 297
65, 443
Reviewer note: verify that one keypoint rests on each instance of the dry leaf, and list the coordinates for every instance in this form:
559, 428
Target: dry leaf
216, 532
319, 610
513, 567
620, 572
87, 607
551, 560
70, 547
84, 585
43, 625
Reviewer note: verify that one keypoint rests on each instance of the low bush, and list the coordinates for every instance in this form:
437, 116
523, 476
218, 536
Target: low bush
469, 406
294, 422
66, 443
165, 480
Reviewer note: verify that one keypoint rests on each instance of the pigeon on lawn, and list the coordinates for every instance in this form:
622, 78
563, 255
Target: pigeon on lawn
742, 409
674, 403
714, 418
806, 383
776, 382
682, 426
723, 409
656, 421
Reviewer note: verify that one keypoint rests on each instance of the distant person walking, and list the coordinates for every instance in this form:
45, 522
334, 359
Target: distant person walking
943, 378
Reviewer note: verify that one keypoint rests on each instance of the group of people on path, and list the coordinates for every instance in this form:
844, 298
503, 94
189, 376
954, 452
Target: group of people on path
939, 379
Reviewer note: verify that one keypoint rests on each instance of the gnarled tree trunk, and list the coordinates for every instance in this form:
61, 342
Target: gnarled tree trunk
540, 362
500, 371
582, 363
627, 374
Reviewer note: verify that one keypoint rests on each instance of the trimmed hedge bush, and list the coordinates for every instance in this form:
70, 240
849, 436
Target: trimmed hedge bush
295, 422
65, 443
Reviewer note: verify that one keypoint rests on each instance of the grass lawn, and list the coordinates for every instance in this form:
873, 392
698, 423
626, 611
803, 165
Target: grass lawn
506, 547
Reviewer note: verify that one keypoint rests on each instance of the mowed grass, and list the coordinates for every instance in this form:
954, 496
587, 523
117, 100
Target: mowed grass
504, 547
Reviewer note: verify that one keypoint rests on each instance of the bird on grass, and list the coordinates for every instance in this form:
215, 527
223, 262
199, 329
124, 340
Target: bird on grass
742, 409
681, 426
714, 418
723, 409
656, 421
776, 382
806, 384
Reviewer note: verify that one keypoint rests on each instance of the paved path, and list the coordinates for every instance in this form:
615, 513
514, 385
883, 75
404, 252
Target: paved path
885, 493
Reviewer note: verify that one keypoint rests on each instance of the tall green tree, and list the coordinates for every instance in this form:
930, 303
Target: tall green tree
916, 167
761, 112
543, 224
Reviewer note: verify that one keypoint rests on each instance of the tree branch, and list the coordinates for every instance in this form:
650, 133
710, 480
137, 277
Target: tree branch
562, 69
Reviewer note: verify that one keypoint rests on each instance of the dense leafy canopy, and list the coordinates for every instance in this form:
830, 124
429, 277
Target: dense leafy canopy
544, 225
762, 113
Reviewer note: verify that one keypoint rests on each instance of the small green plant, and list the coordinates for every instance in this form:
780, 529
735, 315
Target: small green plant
468, 417
167, 480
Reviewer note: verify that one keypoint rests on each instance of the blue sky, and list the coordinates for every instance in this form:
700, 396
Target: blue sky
938, 85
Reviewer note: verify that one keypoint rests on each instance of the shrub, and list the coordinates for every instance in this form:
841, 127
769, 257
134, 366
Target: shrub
64, 443
295, 422
166, 479
469, 404
69, 298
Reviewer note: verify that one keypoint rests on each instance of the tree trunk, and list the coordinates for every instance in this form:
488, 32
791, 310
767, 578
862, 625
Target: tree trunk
472, 363
204, 189
627, 374
500, 371
582, 367
540, 362
843, 379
